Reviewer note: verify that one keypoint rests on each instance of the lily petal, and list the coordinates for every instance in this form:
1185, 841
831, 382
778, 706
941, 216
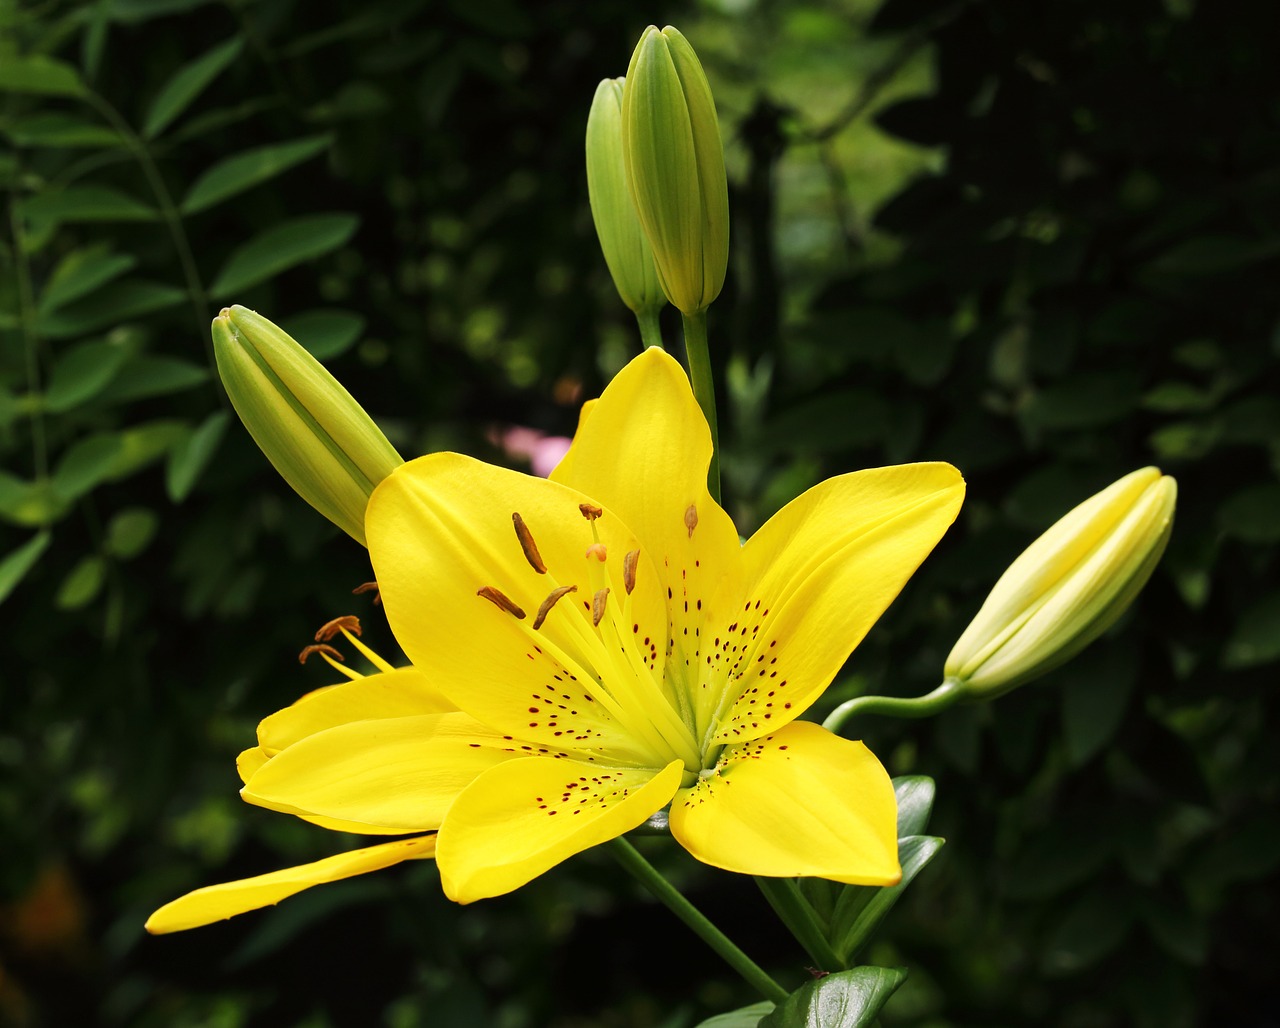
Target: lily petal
219, 902
392, 774
520, 819
819, 574
799, 802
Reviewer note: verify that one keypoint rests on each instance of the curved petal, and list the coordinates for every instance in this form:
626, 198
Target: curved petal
391, 774
563, 471
799, 802
402, 692
520, 819
819, 574
219, 902
249, 761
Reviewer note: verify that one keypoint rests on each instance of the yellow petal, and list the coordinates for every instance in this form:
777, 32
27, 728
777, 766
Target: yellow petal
520, 819
400, 693
249, 761
819, 574
563, 471
219, 902
799, 802
390, 774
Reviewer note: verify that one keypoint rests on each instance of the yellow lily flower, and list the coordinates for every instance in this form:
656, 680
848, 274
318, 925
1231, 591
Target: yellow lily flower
589, 649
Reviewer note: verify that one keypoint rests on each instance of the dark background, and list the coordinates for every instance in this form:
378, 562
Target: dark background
1039, 240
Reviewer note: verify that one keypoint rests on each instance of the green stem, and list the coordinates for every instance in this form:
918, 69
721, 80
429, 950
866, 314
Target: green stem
892, 706
704, 388
798, 915
650, 330
649, 876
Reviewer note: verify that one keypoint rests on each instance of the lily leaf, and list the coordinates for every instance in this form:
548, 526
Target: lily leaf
915, 802
15, 565
282, 247
861, 908
848, 999
743, 1017
188, 83
243, 171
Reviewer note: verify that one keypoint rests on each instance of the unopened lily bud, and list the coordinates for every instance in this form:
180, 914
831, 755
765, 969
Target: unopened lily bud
626, 250
1067, 587
306, 423
675, 167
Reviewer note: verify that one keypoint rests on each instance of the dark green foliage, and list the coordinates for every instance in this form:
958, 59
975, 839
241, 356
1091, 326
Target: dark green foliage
1037, 240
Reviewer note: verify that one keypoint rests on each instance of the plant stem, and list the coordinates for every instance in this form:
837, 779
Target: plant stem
650, 330
891, 706
798, 915
704, 388
649, 876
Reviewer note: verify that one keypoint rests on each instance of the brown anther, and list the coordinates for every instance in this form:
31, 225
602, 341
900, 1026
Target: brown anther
550, 602
320, 648
691, 519
597, 605
331, 628
629, 563
527, 544
590, 511
500, 600
599, 551
369, 587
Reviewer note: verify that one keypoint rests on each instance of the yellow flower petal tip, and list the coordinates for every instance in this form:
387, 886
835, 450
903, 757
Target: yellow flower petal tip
1067, 587
309, 427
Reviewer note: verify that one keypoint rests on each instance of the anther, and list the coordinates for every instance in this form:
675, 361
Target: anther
691, 519
527, 544
331, 628
590, 511
320, 648
629, 563
597, 606
500, 600
599, 551
369, 587
550, 602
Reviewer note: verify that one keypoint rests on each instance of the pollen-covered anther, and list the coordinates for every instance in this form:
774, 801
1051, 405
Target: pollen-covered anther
369, 587
527, 544
691, 519
307, 651
331, 628
597, 605
545, 608
500, 600
590, 511
599, 551
629, 563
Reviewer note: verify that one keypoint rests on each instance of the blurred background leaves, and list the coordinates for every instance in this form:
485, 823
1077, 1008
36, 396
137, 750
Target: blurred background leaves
1039, 241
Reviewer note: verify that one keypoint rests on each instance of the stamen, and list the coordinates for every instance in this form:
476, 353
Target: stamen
550, 602
691, 519
629, 563
527, 544
599, 551
329, 629
590, 511
323, 649
501, 601
597, 606
368, 587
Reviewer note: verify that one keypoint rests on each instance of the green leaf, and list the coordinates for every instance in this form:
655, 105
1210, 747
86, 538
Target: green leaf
1087, 400
147, 376
1094, 926
1251, 514
59, 129
848, 999
1095, 694
29, 504
108, 308
85, 203
83, 584
189, 458
133, 11
15, 565
82, 373
282, 247
915, 802
1256, 639
861, 908
188, 83
111, 456
235, 174
325, 333
38, 75
130, 532
81, 272
743, 1017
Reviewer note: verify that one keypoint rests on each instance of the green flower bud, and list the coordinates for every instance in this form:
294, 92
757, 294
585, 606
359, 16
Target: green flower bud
675, 167
626, 250
1067, 587
310, 428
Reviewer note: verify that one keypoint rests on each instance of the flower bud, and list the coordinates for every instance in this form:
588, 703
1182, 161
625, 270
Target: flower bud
626, 250
675, 167
1067, 587
310, 428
